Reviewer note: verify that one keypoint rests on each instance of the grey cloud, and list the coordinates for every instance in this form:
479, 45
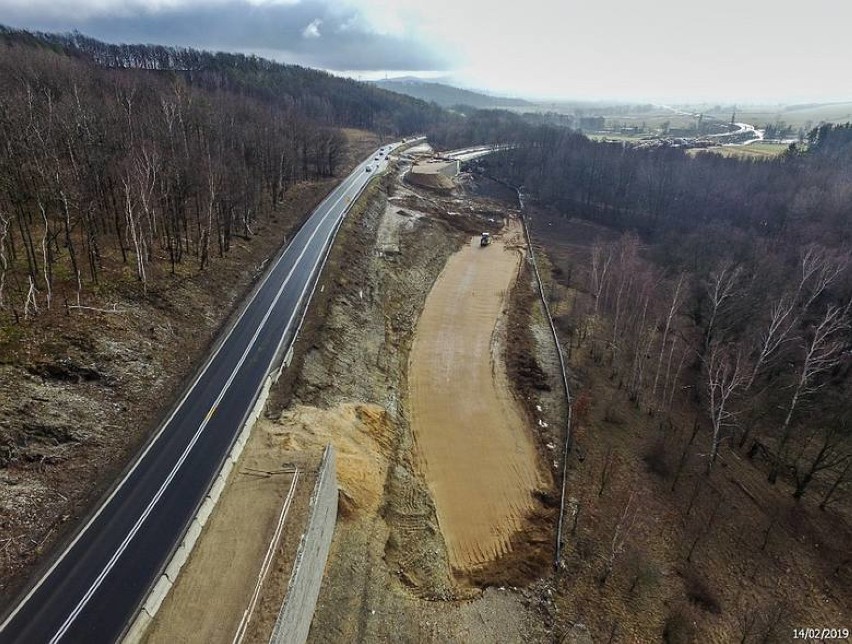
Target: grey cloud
312, 30
308, 33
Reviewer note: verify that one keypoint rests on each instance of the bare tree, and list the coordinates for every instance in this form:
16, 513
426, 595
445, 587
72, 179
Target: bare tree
31, 303
619, 537
676, 376
725, 376
674, 306
840, 481
781, 322
721, 288
46, 263
822, 352
819, 268
642, 335
132, 220
832, 451
4, 263
628, 255
601, 260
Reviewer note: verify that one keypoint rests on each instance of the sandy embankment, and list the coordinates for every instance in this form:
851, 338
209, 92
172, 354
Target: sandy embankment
473, 445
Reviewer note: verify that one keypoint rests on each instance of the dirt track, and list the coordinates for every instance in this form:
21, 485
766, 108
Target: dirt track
473, 446
214, 588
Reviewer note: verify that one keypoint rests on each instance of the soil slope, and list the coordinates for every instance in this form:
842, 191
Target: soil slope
473, 445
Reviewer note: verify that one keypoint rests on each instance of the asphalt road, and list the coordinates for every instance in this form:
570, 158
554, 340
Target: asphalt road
92, 590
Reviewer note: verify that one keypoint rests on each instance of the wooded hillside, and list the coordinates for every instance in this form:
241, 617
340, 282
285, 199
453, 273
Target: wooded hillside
737, 271
705, 307
139, 158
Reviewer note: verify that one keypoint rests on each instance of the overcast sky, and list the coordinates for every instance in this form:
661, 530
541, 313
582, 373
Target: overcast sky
663, 50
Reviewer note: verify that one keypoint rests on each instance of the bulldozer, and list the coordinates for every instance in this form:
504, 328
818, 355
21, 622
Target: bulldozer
485, 240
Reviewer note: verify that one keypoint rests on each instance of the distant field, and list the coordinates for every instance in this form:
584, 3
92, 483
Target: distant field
804, 116
796, 116
753, 151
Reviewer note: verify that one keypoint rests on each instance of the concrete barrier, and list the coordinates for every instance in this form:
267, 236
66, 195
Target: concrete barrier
192, 534
136, 631
217, 487
158, 595
177, 562
297, 611
206, 509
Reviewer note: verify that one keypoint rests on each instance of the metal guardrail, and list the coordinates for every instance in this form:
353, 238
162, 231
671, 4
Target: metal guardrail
557, 559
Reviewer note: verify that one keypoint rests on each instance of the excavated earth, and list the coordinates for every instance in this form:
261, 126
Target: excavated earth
473, 446
447, 517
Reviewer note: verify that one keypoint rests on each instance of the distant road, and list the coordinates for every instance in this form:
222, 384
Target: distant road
93, 589
745, 128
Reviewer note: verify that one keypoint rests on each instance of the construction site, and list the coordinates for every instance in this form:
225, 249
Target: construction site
406, 475
447, 474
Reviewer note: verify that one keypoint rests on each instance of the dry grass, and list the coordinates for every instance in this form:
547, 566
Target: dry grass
755, 151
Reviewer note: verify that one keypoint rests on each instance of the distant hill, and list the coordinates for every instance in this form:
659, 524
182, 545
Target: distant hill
144, 160
447, 95
313, 94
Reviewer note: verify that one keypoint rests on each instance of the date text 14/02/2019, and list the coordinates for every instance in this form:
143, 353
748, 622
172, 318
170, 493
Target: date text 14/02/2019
820, 633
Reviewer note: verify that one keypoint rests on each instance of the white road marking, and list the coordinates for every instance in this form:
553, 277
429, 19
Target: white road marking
185, 454
344, 187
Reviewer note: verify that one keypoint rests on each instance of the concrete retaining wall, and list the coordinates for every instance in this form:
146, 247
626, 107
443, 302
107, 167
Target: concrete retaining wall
434, 174
450, 170
297, 612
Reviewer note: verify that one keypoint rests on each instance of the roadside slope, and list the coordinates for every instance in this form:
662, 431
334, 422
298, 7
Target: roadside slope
388, 576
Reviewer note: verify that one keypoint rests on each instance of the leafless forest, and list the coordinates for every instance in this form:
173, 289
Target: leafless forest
133, 159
